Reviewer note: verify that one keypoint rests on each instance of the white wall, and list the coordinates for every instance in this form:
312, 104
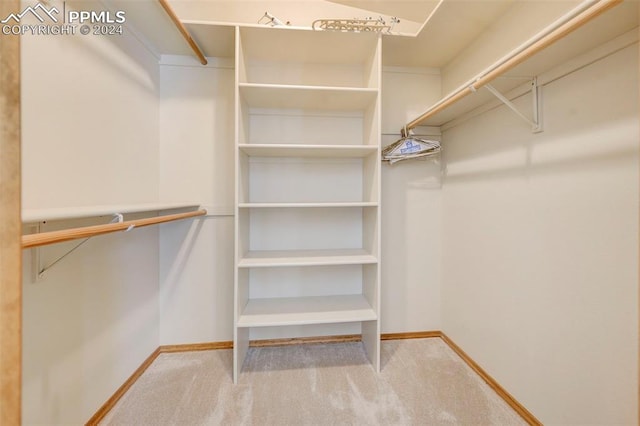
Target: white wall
540, 247
411, 210
90, 137
196, 163
88, 324
90, 121
196, 133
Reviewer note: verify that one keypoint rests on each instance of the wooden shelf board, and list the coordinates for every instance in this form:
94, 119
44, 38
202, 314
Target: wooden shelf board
307, 97
306, 310
307, 205
290, 150
283, 258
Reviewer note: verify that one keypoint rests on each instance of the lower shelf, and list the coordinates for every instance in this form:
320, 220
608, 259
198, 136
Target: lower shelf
271, 258
306, 310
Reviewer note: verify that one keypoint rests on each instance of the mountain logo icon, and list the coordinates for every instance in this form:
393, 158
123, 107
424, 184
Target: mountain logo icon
38, 11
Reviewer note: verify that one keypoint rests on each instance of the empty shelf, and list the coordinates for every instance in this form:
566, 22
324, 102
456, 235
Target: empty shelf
285, 150
280, 258
308, 205
307, 97
306, 310
281, 44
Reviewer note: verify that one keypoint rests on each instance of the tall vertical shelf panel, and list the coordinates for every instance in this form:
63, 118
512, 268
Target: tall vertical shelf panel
307, 185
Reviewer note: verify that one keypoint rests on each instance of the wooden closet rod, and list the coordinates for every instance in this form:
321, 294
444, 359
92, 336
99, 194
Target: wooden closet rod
499, 69
35, 240
183, 30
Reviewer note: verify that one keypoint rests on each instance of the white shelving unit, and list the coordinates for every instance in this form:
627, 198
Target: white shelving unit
307, 186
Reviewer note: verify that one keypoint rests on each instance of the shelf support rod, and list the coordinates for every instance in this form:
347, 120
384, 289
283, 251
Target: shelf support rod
535, 124
53, 237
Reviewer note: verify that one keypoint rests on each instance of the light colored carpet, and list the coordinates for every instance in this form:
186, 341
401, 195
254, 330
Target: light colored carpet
423, 382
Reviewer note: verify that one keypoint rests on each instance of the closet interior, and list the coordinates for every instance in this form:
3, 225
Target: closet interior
518, 240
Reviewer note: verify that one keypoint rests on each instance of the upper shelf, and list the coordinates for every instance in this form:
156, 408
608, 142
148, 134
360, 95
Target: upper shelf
282, 44
285, 56
307, 97
616, 26
215, 40
446, 33
329, 204
152, 25
299, 151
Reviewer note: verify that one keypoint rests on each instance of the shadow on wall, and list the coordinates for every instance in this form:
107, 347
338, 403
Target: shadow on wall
539, 229
590, 149
96, 304
184, 236
116, 52
578, 133
411, 215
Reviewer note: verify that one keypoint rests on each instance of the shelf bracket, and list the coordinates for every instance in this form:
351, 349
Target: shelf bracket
38, 270
536, 122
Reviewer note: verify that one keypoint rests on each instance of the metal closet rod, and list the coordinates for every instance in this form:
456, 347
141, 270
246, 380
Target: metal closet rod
35, 240
519, 56
183, 30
